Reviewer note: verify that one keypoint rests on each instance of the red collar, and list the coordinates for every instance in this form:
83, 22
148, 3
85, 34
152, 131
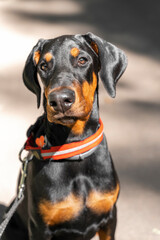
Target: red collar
69, 150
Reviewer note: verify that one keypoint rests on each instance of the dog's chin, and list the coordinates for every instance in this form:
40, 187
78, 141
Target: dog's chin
63, 120
67, 121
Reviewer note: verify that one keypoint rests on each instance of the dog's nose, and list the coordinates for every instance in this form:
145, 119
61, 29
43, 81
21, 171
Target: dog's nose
61, 100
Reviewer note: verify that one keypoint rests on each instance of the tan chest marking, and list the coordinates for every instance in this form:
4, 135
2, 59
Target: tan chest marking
71, 206
54, 213
100, 202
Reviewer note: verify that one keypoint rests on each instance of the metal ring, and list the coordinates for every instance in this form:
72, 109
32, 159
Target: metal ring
27, 158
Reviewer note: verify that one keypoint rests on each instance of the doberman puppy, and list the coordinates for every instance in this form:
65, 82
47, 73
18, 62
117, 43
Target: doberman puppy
69, 198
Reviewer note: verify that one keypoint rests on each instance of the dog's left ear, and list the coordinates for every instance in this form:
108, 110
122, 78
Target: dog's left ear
113, 61
30, 71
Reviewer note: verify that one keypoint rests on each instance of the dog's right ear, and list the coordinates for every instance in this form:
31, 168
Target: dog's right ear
30, 70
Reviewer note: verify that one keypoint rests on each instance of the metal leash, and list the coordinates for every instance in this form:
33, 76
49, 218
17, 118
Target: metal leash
20, 196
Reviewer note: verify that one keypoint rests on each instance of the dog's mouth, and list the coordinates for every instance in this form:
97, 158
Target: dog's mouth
66, 120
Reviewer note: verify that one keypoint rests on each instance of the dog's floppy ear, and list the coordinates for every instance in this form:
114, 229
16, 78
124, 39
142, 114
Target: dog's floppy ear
30, 71
113, 61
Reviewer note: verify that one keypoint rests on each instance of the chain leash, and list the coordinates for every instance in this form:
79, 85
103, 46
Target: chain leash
20, 196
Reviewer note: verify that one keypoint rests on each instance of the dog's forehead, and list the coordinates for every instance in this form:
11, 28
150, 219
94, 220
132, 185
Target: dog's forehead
65, 44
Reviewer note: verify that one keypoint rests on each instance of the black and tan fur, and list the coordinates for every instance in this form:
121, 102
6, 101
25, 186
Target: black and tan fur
66, 199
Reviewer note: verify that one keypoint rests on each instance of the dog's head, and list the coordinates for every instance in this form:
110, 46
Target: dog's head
68, 67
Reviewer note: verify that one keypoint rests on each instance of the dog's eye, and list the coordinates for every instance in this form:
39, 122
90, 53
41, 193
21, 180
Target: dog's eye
44, 66
82, 61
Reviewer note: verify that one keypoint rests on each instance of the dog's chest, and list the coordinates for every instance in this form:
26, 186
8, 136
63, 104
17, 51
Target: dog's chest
75, 205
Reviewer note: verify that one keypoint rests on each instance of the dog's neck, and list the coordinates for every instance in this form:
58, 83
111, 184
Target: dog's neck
58, 134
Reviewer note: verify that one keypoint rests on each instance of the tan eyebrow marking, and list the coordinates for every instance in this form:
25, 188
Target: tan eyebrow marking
48, 56
74, 52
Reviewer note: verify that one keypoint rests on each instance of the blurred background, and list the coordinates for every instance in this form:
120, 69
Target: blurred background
132, 120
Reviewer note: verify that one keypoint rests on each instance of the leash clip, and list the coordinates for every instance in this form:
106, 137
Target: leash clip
25, 162
23, 177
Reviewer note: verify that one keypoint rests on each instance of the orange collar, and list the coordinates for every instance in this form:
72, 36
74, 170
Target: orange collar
73, 151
